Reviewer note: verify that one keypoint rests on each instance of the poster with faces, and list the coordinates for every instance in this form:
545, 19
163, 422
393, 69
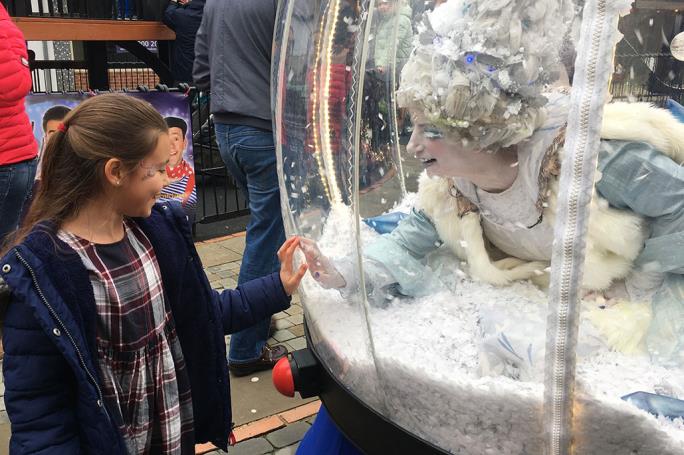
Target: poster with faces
47, 110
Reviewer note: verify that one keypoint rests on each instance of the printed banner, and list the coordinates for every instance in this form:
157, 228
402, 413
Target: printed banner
46, 111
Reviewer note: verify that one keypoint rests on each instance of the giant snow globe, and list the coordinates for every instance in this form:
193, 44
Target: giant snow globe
491, 203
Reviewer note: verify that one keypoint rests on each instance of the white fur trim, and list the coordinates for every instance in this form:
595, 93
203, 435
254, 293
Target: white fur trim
642, 122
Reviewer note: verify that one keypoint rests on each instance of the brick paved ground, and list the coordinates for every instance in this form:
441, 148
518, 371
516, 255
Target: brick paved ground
266, 422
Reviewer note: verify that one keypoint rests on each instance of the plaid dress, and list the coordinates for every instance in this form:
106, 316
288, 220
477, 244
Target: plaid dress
145, 382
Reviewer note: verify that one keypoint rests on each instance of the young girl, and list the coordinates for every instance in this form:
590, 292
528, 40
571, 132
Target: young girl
114, 340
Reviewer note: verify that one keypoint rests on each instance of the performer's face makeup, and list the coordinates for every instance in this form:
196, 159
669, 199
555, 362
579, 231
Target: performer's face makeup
443, 152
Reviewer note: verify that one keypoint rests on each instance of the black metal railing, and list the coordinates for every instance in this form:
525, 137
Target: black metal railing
650, 77
88, 9
218, 195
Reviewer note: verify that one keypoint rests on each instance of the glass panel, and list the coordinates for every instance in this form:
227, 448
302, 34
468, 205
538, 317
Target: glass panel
317, 44
458, 287
633, 291
443, 165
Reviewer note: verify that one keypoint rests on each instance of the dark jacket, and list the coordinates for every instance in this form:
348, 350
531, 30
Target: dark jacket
233, 58
16, 136
184, 20
52, 385
152, 10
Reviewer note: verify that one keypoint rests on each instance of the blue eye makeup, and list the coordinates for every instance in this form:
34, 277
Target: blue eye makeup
433, 133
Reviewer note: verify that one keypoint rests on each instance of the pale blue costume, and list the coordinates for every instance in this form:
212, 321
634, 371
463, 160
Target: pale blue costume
634, 177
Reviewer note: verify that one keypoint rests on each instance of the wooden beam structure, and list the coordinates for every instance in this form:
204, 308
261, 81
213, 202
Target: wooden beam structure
58, 29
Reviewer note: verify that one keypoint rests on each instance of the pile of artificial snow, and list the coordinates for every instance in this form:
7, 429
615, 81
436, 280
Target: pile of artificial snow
423, 370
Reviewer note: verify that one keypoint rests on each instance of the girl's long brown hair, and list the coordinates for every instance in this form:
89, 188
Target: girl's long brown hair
99, 129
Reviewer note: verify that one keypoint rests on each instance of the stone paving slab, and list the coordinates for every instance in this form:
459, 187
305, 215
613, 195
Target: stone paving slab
236, 244
212, 255
304, 412
294, 310
290, 450
256, 446
283, 335
297, 343
283, 324
289, 435
254, 397
298, 330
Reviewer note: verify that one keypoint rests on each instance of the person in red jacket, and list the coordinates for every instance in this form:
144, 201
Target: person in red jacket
18, 148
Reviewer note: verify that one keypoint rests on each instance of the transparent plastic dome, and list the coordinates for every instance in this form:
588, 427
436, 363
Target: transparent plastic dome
493, 215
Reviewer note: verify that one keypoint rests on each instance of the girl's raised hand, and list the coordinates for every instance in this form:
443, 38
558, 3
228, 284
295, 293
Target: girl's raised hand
288, 276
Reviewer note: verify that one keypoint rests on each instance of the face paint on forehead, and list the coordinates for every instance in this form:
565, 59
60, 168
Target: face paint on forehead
151, 171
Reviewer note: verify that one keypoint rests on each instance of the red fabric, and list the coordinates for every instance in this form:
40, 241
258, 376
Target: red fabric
16, 135
338, 88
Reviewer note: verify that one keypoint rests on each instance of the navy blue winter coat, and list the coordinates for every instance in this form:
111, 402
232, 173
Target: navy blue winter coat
52, 385
184, 20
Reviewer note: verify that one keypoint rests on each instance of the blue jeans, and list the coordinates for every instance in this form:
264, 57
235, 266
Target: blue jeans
124, 9
16, 182
249, 155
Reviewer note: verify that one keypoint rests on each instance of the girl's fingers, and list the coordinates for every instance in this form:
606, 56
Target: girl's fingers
297, 278
287, 242
293, 244
285, 246
301, 272
289, 251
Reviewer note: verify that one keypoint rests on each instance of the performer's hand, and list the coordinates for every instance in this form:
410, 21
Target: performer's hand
320, 267
288, 276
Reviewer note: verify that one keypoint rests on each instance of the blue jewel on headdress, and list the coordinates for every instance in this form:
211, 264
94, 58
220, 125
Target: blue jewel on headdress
491, 68
437, 40
470, 58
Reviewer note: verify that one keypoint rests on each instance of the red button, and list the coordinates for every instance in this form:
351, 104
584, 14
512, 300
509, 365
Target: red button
282, 377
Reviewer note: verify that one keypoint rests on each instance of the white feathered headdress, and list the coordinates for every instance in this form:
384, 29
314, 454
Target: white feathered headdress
481, 66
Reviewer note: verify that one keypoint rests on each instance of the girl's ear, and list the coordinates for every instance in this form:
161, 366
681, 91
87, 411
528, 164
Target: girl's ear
114, 172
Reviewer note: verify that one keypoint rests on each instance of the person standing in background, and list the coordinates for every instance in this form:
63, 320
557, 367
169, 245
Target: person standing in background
184, 18
18, 147
391, 45
233, 59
